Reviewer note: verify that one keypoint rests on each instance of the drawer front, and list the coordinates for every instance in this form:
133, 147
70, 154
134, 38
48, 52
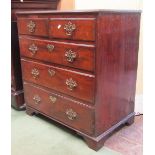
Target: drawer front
72, 83
72, 113
68, 54
33, 26
75, 29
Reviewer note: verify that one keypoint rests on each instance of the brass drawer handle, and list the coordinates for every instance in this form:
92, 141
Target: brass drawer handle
71, 84
36, 99
51, 72
31, 26
69, 28
52, 99
50, 47
33, 49
70, 55
35, 73
71, 114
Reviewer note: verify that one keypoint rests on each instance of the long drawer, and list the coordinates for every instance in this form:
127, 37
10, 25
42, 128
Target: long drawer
70, 112
69, 54
70, 82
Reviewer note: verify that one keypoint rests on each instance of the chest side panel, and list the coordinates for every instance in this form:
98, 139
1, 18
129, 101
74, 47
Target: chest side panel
116, 67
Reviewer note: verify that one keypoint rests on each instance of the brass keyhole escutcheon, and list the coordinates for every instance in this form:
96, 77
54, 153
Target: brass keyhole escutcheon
51, 72
52, 99
50, 47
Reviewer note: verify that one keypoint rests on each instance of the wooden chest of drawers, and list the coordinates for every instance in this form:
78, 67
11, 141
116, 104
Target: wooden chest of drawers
79, 68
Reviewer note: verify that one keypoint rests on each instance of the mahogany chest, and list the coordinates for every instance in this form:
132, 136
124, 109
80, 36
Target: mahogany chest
17, 94
79, 68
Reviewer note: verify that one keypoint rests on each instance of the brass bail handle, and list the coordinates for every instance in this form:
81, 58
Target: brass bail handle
33, 49
70, 28
31, 26
71, 84
37, 99
71, 115
35, 73
70, 55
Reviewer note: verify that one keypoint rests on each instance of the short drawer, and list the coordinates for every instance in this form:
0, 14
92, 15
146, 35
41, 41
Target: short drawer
69, 54
72, 28
33, 26
70, 112
76, 84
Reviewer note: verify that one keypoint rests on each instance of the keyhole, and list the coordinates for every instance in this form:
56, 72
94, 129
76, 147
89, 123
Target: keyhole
59, 26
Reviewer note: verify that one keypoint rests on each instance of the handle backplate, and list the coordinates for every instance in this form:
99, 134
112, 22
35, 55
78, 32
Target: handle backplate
69, 27
71, 114
71, 84
37, 99
31, 26
33, 49
70, 55
35, 73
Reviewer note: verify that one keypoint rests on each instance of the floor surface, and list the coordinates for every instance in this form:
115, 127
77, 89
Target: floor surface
36, 135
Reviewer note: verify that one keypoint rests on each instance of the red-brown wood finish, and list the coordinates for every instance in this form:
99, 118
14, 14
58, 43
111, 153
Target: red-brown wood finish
57, 28
40, 27
17, 5
118, 56
59, 107
108, 88
17, 94
57, 81
84, 59
16, 81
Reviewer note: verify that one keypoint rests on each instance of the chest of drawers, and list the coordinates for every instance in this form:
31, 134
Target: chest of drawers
79, 68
